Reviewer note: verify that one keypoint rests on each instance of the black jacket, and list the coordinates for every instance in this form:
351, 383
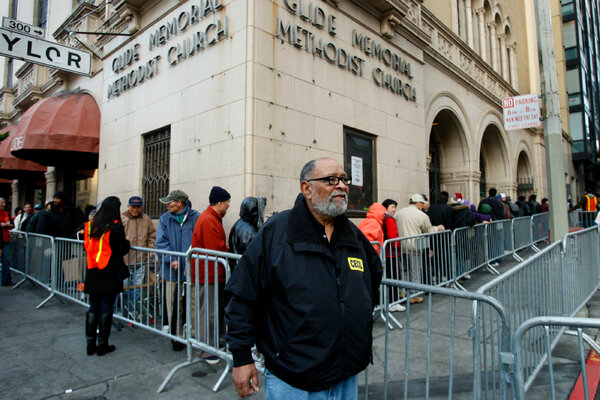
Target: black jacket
497, 207
245, 228
462, 216
305, 302
62, 223
440, 213
106, 281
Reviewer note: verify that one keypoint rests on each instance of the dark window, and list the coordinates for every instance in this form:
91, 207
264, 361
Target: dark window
14, 7
359, 163
42, 13
155, 180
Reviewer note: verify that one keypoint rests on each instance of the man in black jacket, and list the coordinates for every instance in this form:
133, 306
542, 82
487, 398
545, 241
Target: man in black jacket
304, 292
497, 207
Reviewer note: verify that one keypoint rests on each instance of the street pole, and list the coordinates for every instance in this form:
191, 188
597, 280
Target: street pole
552, 127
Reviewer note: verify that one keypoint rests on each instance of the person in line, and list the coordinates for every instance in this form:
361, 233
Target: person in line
392, 259
462, 217
209, 234
372, 225
438, 266
38, 221
411, 221
524, 210
63, 220
545, 206
588, 203
304, 292
22, 220
440, 213
140, 232
252, 214
497, 213
105, 245
534, 206
6, 225
175, 228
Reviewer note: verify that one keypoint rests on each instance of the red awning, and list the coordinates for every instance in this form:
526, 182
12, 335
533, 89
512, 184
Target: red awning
62, 130
16, 168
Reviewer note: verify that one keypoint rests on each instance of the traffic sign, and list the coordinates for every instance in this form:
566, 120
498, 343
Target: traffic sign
43, 52
521, 112
22, 27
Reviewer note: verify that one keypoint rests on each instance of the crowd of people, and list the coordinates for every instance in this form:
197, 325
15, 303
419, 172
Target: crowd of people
309, 270
384, 221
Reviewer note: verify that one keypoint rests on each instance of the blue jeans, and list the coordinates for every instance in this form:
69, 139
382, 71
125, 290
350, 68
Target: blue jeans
5, 259
276, 389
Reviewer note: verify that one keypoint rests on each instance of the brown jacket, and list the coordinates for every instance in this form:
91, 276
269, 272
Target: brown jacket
140, 232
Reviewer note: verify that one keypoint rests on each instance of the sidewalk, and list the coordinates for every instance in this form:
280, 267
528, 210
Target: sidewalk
42, 356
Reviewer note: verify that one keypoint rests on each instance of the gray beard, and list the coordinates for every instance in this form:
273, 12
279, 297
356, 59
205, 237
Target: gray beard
328, 207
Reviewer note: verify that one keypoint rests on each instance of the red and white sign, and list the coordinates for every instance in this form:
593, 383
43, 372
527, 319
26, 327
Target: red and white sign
521, 112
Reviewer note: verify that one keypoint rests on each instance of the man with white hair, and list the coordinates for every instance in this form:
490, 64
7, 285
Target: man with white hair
304, 292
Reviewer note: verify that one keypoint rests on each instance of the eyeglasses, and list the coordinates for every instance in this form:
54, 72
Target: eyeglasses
333, 180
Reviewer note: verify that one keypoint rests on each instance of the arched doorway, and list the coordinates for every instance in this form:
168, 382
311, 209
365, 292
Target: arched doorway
493, 161
448, 152
524, 175
435, 169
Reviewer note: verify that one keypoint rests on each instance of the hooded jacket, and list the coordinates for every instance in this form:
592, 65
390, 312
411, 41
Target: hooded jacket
173, 236
251, 219
305, 301
372, 226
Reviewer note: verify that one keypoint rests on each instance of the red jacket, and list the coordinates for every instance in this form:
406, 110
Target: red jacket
4, 217
208, 234
372, 226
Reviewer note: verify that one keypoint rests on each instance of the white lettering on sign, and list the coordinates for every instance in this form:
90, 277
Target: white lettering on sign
521, 112
17, 143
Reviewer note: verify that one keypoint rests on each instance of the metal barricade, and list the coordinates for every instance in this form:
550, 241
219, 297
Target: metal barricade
581, 272
541, 329
431, 357
539, 227
426, 258
499, 240
582, 219
40, 261
556, 281
522, 233
17, 249
470, 248
205, 327
71, 265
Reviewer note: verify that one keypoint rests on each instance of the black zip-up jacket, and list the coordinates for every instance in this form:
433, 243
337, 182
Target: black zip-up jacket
305, 302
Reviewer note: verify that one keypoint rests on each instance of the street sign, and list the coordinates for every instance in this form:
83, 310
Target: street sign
521, 112
22, 27
43, 52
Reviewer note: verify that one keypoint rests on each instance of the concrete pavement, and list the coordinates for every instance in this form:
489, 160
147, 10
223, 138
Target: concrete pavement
42, 355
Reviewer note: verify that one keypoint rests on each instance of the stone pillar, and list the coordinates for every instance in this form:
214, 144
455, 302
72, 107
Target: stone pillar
50, 184
482, 35
512, 61
469, 23
494, 45
504, 57
16, 198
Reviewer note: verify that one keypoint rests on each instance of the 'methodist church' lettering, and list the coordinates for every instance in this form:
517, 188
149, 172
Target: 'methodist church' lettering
306, 37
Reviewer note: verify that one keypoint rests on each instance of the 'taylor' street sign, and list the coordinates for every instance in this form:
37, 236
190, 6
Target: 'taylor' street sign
39, 51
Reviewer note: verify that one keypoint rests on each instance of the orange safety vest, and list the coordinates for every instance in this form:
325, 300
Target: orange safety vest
98, 249
591, 204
